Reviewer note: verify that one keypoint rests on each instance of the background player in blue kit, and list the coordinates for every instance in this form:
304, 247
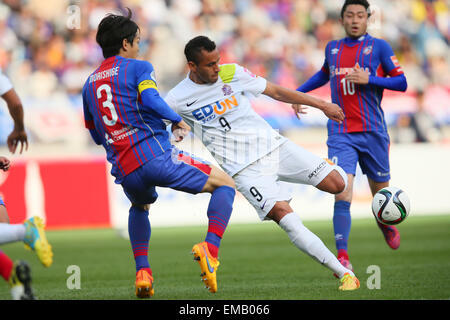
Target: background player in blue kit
124, 112
358, 67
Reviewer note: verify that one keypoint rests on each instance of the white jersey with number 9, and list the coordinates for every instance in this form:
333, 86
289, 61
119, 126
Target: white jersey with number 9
220, 114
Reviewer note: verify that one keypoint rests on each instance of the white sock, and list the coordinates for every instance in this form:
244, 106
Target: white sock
11, 232
309, 243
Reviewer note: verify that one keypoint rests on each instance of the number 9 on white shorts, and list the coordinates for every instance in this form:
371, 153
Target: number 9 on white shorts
268, 180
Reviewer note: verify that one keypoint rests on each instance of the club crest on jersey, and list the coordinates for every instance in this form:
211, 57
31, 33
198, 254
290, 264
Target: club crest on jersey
367, 50
211, 111
227, 90
334, 51
332, 71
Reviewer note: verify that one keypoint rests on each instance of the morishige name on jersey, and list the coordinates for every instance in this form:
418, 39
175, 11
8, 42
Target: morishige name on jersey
104, 74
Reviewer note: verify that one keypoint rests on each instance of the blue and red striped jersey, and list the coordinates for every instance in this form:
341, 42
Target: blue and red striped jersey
124, 112
360, 103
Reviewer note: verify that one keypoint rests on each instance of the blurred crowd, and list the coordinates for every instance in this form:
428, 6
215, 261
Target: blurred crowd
48, 48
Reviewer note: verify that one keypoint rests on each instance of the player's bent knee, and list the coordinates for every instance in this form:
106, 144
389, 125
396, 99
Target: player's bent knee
335, 182
341, 180
279, 210
338, 184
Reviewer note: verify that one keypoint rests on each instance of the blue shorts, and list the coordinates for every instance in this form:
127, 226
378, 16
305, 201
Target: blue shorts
370, 149
174, 169
1, 201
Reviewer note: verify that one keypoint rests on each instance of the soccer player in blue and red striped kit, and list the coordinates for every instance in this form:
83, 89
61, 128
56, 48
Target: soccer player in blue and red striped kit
358, 67
124, 112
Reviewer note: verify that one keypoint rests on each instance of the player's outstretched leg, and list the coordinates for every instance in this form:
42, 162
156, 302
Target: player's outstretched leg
308, 242
11, 232
139, 230
349, 282
206, 252
36, 240
342, 220
342, 224
6, 266
18, 275
20, 282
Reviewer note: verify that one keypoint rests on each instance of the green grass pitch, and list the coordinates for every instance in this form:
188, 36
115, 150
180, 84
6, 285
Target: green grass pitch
258, 262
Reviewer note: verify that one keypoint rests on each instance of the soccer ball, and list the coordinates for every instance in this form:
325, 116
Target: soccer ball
390, 205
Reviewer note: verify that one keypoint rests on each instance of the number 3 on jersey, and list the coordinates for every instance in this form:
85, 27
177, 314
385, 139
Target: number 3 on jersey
107, 104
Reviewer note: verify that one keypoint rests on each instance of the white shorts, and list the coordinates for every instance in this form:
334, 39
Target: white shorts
264, 182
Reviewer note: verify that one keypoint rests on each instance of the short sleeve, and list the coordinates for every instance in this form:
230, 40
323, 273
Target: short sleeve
5, 84
250, 82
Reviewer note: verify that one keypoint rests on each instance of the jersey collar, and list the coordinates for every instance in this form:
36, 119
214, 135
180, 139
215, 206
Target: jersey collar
352, 41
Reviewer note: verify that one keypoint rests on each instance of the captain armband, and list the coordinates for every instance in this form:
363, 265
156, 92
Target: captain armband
147, 84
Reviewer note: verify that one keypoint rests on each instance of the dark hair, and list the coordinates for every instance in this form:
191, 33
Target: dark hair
196, 45
363, 3
112, 30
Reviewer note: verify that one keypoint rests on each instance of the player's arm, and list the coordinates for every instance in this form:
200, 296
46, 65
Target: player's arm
149, 93
89, 122
331, 110
316, 81
18, 135
396, 80
150, 98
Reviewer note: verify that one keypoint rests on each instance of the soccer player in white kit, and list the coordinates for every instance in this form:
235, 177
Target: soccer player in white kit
213, 100
31, 232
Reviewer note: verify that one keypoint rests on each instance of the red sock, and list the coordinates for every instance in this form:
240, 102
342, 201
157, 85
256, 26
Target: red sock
342, 253
6, 266
214, 250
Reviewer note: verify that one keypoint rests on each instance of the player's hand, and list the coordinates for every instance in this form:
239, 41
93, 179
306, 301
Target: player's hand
4, 164
180, 130
358, 76
333, 112
16, 138
299, 109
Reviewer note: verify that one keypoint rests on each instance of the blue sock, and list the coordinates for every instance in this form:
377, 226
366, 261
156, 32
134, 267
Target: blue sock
139, 230
219, 212
341, 223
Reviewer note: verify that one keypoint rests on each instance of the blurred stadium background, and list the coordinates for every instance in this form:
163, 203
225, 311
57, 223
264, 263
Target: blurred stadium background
48, 48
